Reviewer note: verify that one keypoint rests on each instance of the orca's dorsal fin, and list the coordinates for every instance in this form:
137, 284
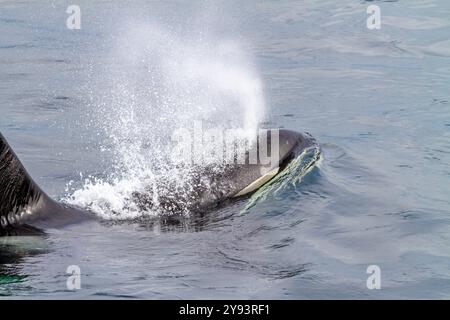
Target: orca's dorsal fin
24, 207
18, 192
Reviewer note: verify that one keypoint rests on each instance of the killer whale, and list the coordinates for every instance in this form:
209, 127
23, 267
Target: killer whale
26, 209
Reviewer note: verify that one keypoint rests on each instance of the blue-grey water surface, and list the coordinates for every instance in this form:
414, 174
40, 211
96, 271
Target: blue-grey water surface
378, 101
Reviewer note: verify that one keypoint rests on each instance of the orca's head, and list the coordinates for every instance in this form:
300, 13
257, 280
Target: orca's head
276, 148
288, 143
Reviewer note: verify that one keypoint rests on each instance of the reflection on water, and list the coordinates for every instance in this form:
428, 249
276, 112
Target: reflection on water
13, 251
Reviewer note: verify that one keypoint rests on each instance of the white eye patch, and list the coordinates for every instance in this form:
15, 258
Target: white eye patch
259, 182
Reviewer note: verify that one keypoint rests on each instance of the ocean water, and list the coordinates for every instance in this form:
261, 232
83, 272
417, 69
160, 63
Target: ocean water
87, 111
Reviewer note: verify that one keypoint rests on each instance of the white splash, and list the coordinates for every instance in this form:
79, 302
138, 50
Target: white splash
157, 82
